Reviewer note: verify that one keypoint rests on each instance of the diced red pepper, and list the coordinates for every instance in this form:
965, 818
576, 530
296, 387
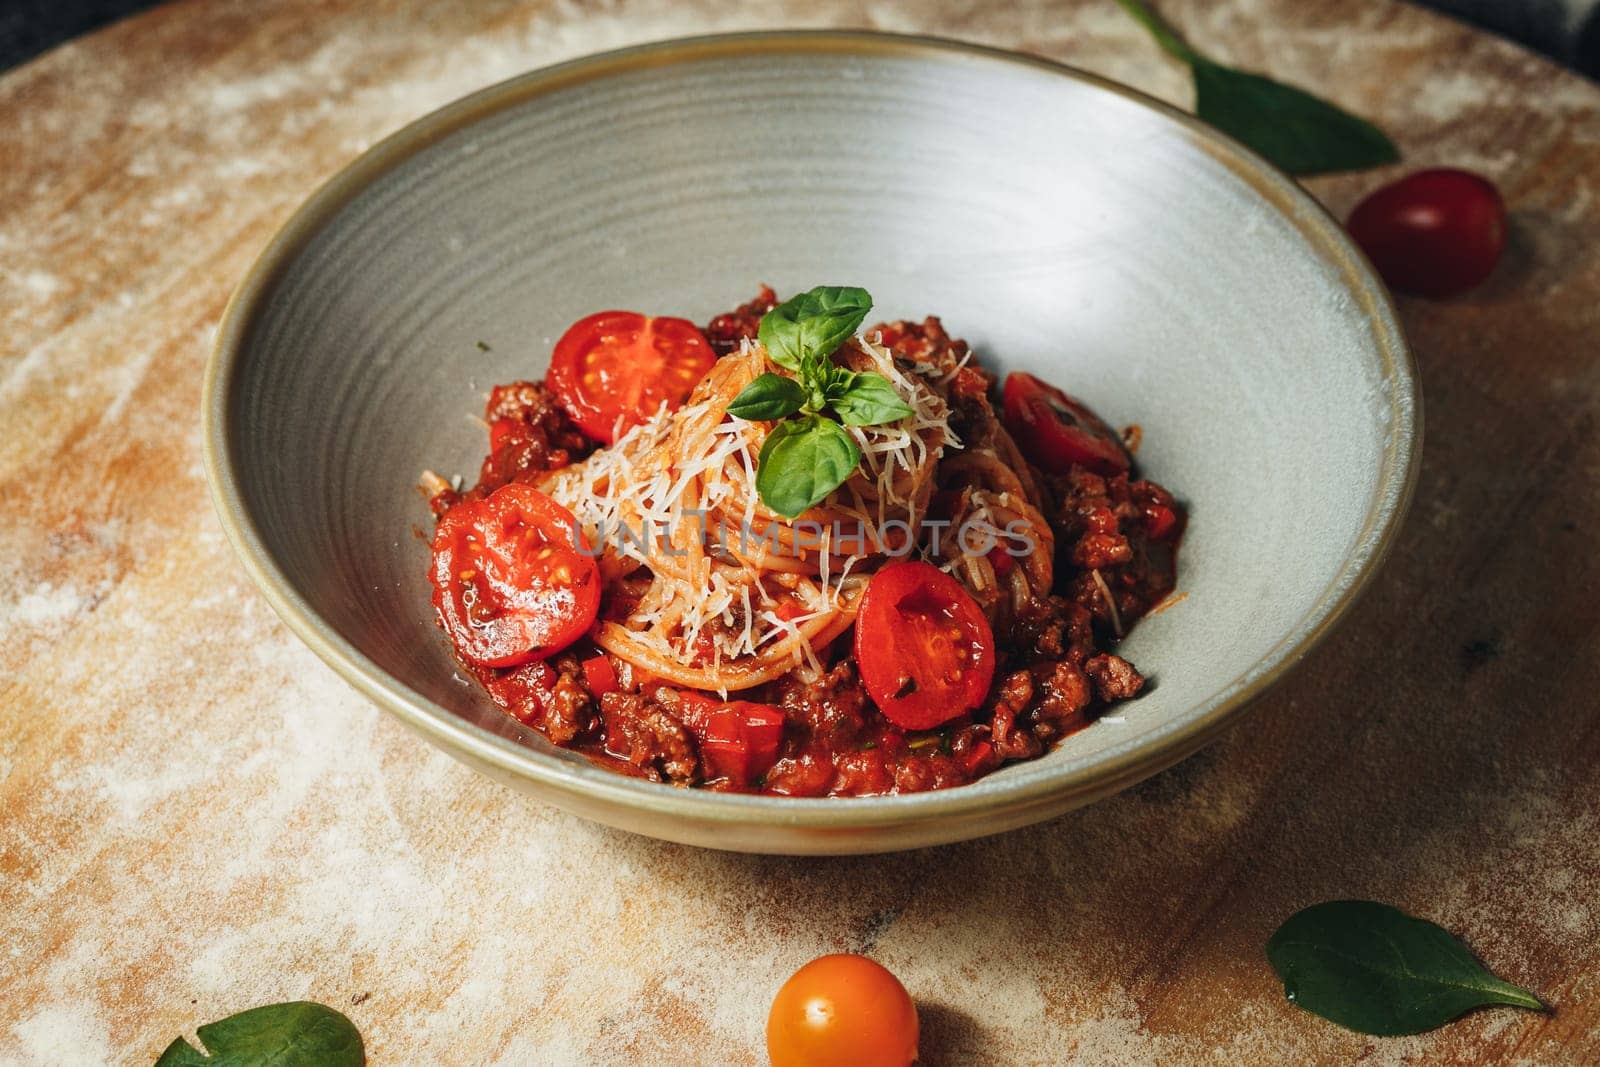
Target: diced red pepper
524, 690
727, 759
1001, 561
499, 430
976, 756
763, 732
1159, 521
791, 609
695, 710
740, 740
598, 672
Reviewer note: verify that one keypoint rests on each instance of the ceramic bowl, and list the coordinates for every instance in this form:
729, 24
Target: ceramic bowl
1064, 225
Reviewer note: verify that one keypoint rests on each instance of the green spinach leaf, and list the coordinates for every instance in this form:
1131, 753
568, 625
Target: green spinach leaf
1376, 970
803, 460
1298, 132
296, 1034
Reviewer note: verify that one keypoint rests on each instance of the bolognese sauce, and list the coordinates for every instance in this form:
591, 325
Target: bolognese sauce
869, 664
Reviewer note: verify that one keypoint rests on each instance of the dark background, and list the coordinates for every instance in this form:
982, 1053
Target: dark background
1568, 30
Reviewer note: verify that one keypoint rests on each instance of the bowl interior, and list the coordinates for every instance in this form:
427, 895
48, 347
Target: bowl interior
1063, 227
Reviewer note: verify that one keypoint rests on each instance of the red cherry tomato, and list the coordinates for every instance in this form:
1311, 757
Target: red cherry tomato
1056, 431
1436, 233
842, 1011
509, 582
621, 366
923, 647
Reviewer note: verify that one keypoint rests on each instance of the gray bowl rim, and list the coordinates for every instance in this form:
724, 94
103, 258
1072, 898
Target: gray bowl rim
1045, 795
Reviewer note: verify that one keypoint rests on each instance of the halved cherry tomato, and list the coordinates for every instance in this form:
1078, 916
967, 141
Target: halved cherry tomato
613, 369
510, 583
923, 647
842, 1011
1056, 431
1435, 233
599, 675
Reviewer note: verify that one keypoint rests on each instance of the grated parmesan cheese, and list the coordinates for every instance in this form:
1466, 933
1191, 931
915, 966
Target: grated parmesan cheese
633, 500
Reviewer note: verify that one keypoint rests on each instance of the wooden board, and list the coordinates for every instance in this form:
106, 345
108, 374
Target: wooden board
196, 816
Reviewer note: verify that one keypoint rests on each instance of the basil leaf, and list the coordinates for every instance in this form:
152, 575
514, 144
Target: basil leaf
802, 461
1292, 129
769, 397
297, 1034
813, 324
1376, 970
868, 399
1164, 35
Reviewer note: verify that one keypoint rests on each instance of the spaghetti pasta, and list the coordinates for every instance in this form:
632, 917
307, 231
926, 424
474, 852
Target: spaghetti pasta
675, 499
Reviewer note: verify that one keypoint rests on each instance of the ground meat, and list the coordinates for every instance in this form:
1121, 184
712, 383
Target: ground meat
971, 746
831, 709
925, 347
1097, 551
726, 331
928, 344
641, 732
530, 434
1115, 537
1063, 694
1052, 628
568, 710
861, 773
1114, 677
1010, 737
808, 774
920, 775
1104, 524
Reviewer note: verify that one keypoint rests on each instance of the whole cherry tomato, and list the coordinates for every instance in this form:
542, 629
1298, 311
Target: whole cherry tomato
842, 1011
1436, 233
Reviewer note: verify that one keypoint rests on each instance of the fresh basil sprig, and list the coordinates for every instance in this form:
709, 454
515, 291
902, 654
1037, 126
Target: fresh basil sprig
1298, 132
865, 398
803, 460
813, 325
808, 455
297, 1034
1376, 970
